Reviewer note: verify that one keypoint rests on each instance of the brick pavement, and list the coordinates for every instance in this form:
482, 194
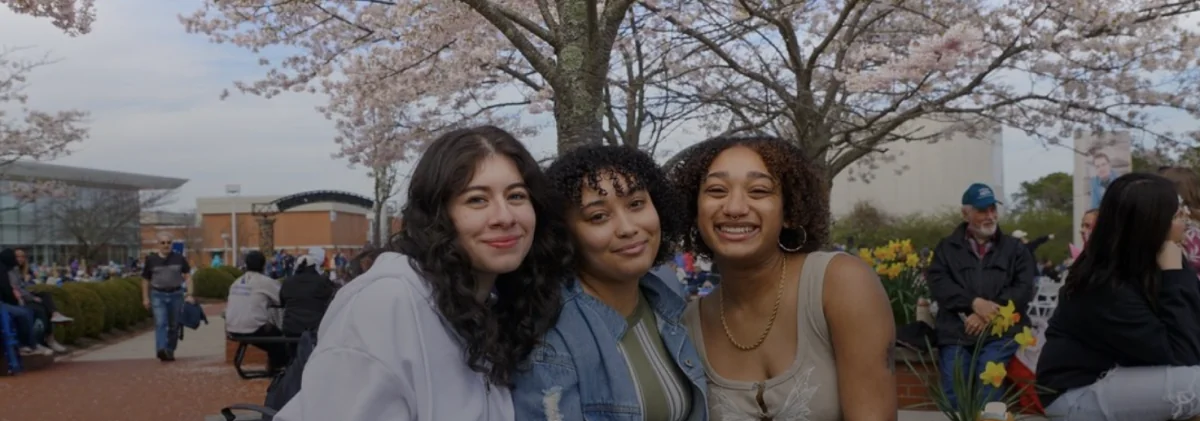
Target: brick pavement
124, 382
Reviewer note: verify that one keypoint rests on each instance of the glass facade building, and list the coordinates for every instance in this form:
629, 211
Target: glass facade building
36, 227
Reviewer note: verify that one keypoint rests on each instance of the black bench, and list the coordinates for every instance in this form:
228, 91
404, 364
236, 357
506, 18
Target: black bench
245, 342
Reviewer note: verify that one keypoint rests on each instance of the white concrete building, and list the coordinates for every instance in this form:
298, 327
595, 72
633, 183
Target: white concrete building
925, 177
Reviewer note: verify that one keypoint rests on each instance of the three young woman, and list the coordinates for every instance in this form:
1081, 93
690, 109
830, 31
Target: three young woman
503, 301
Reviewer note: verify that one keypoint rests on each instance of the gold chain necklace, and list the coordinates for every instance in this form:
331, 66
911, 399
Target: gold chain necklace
770, 322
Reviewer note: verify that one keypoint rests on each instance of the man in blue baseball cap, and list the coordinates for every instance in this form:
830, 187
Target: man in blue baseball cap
975, 271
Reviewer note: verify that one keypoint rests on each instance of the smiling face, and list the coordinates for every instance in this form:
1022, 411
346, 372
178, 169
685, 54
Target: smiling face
740, 207
494, 217
617, 231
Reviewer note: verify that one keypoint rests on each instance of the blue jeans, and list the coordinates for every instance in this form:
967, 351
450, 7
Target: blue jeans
1000, 351
22, 322
167, 307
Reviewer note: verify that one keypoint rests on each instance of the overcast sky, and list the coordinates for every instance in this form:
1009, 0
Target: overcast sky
153, 91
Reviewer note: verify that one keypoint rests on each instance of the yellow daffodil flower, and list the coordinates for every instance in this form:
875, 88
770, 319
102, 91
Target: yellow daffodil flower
1005, 319
994, 374
1026, 338
894, 270
865, 254
912, 261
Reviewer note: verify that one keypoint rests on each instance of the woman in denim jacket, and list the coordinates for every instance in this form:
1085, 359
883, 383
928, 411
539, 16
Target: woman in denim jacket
618, 351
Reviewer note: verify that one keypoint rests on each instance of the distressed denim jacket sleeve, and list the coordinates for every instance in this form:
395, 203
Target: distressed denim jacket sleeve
548, 390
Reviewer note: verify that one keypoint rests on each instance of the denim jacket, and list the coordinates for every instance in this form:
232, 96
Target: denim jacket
584, 345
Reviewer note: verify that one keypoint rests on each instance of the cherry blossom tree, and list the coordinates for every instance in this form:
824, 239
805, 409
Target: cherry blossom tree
847, 77
444, 63
31, 134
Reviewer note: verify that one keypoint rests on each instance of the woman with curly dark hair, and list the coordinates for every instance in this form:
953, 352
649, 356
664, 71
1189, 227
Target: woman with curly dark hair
619, 351
791, 332
435, 330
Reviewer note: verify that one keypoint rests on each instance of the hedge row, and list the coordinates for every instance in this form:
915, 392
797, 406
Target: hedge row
232, 270
97, 307
214, 282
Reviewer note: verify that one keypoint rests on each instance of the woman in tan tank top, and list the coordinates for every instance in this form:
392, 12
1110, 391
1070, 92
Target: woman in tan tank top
791, 333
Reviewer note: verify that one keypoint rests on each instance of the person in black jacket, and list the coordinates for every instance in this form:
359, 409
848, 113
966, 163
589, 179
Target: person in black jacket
1124, 342
975, 271
305, 296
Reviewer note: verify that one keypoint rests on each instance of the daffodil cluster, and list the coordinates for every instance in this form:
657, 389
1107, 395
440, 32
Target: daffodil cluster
1004, 320
901, 269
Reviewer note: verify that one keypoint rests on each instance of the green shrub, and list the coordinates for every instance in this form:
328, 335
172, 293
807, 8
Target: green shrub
212, 283
232, 270
97, 307
91, 305
870, 227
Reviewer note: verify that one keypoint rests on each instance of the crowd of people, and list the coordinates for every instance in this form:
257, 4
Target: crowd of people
530, 295
517, 293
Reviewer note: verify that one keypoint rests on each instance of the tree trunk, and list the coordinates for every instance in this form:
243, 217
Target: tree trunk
581, 61
385, 182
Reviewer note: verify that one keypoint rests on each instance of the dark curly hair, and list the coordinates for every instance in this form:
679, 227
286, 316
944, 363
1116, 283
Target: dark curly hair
805, 199
498, 337
589, 164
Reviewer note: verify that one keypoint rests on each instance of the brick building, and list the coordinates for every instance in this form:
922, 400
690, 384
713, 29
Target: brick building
334, 221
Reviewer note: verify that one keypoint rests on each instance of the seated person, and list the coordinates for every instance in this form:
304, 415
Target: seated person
305, 296
22, 320
976, 270
40, 304
248, 311
1124, 342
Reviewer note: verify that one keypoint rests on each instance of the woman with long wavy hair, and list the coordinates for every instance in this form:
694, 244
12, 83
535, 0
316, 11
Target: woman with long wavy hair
435, 330
619, 350
1124, 342
791, 333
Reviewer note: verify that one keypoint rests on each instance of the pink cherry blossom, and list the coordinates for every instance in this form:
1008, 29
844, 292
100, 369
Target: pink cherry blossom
847, 77
435, 64
28, 134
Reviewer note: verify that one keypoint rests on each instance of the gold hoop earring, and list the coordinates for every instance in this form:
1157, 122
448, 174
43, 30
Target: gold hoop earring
800, 245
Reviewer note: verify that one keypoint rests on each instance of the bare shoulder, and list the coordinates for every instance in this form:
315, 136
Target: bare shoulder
848, 278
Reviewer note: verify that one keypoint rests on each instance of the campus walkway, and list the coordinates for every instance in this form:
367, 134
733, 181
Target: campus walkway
124, 382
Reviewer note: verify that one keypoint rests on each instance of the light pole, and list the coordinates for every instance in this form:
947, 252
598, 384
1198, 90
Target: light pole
232, 190
387, 225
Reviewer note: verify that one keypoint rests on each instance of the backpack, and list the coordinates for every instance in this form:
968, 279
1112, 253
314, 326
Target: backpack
283, 387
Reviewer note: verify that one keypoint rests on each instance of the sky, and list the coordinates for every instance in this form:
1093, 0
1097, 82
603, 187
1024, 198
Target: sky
153, 91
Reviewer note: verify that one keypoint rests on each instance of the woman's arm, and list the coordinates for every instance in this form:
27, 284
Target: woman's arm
549, 389
864, 336
350, 385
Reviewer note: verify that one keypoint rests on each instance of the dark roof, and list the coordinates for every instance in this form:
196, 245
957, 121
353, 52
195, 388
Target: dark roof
29, 170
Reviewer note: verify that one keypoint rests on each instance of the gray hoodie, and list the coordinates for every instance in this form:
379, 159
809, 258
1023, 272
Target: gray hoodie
249, 303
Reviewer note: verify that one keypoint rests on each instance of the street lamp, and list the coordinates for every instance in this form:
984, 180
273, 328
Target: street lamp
232, 190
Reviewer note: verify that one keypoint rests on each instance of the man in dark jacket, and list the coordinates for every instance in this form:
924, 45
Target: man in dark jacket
305, 296
975, 271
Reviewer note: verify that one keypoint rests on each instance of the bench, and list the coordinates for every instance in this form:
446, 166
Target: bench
244, 342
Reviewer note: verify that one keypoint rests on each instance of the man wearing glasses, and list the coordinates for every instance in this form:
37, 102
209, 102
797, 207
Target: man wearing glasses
164, 277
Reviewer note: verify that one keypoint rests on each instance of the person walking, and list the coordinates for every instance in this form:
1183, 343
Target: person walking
165, 276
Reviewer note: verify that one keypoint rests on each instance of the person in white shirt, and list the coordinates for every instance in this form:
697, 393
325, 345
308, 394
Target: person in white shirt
436, 329
250, 309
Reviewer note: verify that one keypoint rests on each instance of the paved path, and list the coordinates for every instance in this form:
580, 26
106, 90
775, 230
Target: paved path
124, 382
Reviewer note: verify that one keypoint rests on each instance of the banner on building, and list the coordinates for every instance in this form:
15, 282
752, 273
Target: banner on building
1099, 159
